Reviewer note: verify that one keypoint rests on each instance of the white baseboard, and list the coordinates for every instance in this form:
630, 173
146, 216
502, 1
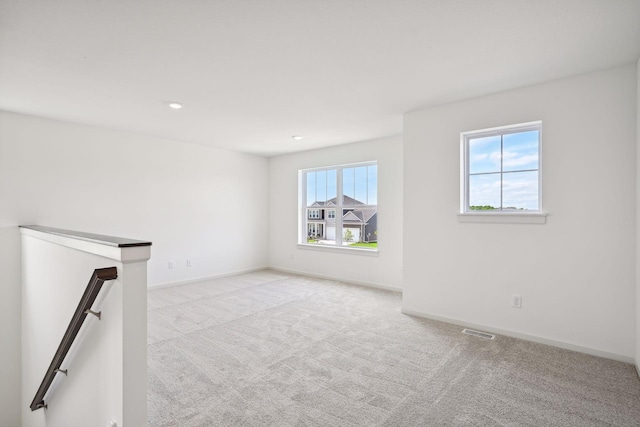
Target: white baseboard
202, 279
533, 338
526, 337
338, 279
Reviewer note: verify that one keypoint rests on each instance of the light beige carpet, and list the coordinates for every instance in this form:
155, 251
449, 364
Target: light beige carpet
268, 349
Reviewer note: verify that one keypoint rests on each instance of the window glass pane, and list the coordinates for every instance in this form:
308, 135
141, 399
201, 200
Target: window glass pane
332, 184
520, 151
329, 236
361, 184
348, 182
484, 154
372, 185
321, 229
311, 188
520, 191
321, 186
484, 192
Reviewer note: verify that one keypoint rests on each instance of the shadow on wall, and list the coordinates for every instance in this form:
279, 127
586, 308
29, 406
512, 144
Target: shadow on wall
10, 383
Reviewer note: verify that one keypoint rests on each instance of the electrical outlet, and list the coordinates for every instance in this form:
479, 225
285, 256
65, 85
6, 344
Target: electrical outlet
170, 265
188, 262
516, 301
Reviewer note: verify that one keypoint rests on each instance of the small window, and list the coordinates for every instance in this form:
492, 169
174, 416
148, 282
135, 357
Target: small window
501, 169
331, 214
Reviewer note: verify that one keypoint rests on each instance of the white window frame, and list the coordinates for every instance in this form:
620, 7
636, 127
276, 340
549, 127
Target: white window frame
339, 207
467, 215
314, 213
331, 214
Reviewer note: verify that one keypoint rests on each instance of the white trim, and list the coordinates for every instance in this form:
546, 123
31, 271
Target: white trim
347, 281
504, 218
335, 248
128, 254
526, 337
500, 130
345, 165
202, 279
637, 370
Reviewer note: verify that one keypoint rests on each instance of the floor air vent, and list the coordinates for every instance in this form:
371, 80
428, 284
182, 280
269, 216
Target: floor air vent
478, 334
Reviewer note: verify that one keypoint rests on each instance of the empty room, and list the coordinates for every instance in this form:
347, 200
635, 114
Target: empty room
319, 213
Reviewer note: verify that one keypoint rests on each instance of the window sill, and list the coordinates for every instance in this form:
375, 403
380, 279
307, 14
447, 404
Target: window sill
338, 249
504, 218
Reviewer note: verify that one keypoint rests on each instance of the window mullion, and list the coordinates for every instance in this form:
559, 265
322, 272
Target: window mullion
304, 227
501, 166
339, 202
466, 174
366, 184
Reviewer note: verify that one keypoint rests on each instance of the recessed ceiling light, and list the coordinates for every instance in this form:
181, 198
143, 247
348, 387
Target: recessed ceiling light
297, 137
175, 105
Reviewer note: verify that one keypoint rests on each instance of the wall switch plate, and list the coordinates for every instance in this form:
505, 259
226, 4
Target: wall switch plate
170, 265
188, 263
516, 301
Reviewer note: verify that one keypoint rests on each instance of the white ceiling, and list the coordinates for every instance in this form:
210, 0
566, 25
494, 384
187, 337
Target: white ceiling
251, 73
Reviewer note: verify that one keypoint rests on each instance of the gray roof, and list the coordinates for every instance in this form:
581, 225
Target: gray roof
356, 216
346, 200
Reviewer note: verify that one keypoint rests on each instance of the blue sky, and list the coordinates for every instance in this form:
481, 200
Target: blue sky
519, 186
360, 182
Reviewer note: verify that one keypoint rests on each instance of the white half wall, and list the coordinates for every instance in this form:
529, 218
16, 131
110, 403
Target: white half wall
107, 363
576, 273
384, 270
192, 202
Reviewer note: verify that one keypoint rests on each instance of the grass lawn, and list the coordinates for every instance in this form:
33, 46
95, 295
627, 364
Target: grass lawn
312, 241
365, 245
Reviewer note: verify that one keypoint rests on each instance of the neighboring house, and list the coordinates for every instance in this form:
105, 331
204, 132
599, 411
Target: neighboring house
362, 222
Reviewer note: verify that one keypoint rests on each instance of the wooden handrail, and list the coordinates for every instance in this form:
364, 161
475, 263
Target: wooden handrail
94, 286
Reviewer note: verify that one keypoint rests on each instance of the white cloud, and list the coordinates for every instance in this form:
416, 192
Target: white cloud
512, 159
479, 157
521, 193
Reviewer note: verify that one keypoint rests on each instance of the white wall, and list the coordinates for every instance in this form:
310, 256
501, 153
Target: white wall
190, 201
576, 272
384, 270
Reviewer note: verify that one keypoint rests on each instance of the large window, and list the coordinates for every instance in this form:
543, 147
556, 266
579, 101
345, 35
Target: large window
501, 169
339, 205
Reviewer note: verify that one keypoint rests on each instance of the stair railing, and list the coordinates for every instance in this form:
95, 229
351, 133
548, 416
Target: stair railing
94, 286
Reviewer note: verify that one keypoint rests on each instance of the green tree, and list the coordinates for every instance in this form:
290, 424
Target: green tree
348, 235
481, 208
